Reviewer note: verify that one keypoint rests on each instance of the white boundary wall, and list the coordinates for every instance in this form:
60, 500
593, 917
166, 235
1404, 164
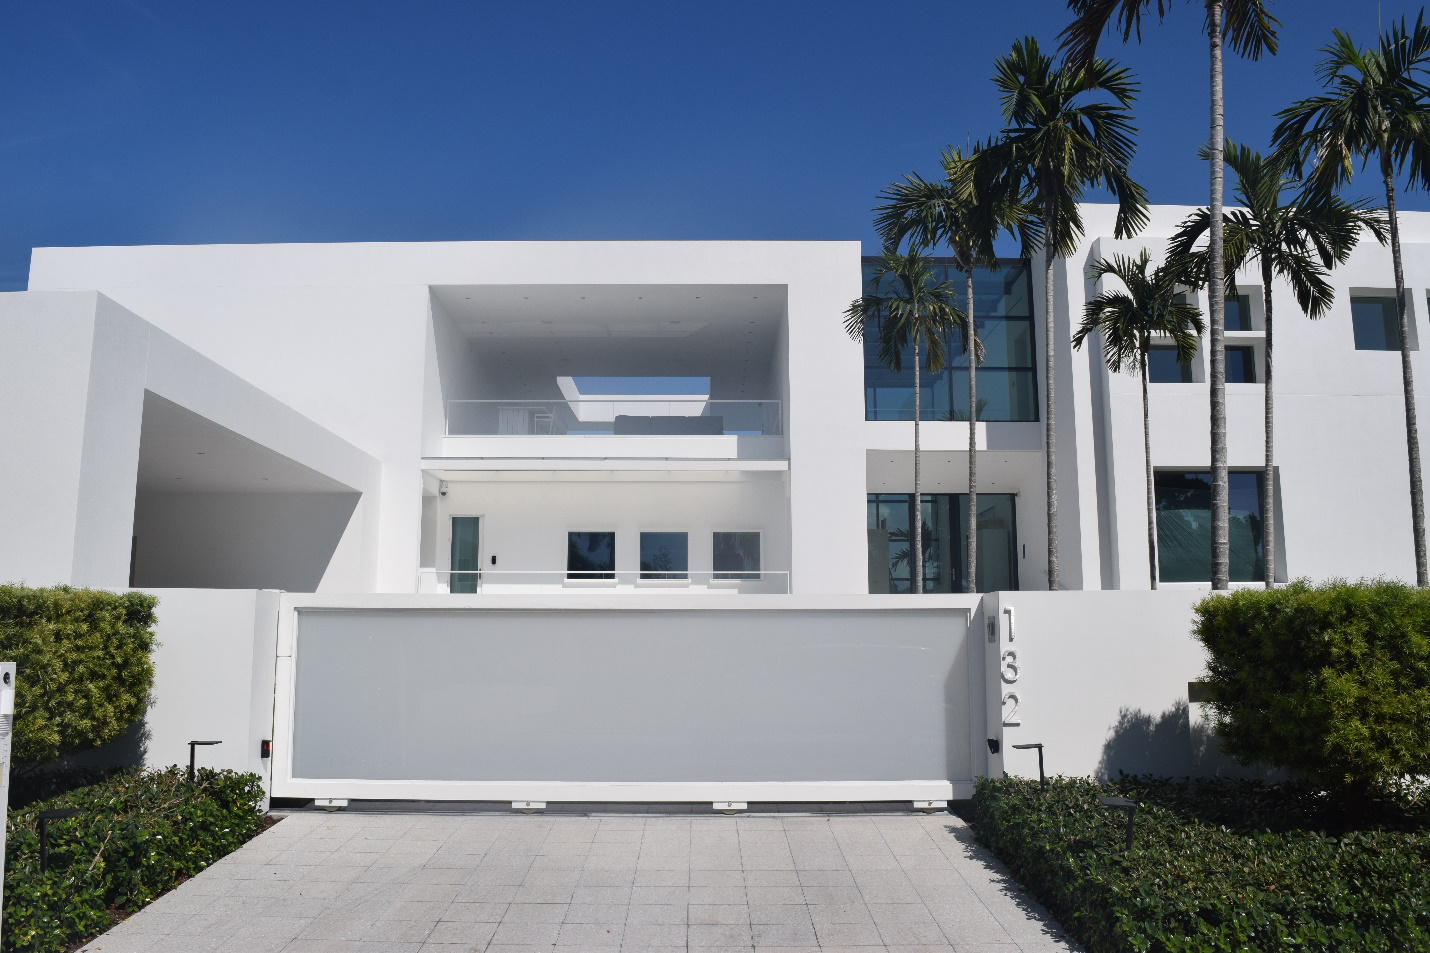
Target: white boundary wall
1100, 679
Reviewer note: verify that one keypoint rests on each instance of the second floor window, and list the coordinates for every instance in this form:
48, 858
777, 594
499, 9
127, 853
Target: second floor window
1007, 378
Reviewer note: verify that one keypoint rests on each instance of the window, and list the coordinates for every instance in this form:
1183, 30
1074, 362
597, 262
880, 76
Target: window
1241, 365
1163, 367
945, 517
1238, 312
590, 555
1376, 324
466, 554
665, 556
737, 555
1184, 529
1007, 383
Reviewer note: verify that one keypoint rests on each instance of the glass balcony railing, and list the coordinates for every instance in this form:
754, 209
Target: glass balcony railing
622, 417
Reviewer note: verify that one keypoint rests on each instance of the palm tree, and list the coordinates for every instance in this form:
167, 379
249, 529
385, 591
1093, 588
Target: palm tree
951, 213
1374, 108
914, 309
1298, 239
1060, 140
1251, 30
1127, 321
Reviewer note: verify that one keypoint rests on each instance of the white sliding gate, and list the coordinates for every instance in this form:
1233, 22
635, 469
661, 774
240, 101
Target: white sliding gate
626, 698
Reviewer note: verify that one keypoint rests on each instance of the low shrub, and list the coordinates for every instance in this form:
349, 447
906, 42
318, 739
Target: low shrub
139, 834
1205, 872
83, 666
1331, 682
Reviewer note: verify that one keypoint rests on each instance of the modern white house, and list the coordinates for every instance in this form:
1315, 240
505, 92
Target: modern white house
622, 430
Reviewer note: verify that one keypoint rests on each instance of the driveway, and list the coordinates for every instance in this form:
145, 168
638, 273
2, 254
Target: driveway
371, 882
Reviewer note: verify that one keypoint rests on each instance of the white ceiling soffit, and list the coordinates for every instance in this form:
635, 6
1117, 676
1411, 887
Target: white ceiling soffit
609, 311
182, 452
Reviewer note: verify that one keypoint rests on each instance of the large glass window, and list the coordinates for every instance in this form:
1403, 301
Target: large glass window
1007, 384
1376, 324
665, 556
466, 554
737, 555
1241, 365
1164, 368
945, 519
1184, 527
591, 555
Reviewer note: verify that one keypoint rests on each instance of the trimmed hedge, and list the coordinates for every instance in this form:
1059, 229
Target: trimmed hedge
1192, 883
140, 834
83, 666
1331, 682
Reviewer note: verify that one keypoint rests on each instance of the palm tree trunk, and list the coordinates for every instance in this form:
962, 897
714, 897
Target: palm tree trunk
1412, 431
971, 340
1216, 291
1147, 461
1050, 216
1268, 476
918, 513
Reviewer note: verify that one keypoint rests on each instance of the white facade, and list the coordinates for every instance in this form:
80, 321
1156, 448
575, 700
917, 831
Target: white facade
383, 389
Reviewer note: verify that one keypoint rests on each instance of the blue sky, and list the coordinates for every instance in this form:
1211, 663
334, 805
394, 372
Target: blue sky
144, 122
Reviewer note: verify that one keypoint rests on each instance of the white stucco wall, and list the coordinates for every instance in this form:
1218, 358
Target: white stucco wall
524, 523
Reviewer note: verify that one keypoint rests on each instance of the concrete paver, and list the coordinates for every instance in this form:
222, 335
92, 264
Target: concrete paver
491, 883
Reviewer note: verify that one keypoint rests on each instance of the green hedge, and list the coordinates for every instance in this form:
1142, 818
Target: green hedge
83, 666
1331, 682
1196, 881
140, 834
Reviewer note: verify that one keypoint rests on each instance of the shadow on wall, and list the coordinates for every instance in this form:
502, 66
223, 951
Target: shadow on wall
1172, 744
238, 540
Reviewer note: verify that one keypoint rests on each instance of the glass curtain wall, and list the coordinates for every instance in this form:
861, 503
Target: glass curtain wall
1007, 383
1184, 526
945, 519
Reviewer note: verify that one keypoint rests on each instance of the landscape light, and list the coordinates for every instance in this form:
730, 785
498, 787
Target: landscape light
1122, 803
54, 814
192, 746
1042, 779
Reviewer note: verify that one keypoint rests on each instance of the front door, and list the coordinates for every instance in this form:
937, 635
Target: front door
466, 554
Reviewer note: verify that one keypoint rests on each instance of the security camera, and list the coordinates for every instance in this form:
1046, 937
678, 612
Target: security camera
442, 488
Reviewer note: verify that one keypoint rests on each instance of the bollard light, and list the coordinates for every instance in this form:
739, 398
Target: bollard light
192, 746
55, 814
1121, 803
1042, 778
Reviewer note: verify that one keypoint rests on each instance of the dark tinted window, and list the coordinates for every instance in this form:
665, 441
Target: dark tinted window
1376, 324
1163, 368
737, 555
665, 555
1184, 528
1241, 365
591, 555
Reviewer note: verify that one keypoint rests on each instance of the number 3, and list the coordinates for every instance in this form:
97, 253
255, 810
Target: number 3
1010, 670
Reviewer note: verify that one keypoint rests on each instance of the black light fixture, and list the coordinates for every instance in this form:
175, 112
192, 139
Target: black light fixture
192, 746
1042, 778
1123, 804
993, 745
55, 814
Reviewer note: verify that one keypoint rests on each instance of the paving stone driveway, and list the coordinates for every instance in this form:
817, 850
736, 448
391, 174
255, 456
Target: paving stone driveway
635, 884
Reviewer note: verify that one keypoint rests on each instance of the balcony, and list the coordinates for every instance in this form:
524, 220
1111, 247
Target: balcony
621, 428
623, 417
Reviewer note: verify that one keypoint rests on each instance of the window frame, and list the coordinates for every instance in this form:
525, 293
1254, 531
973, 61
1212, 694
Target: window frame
738, 575
599, 576
662, 576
